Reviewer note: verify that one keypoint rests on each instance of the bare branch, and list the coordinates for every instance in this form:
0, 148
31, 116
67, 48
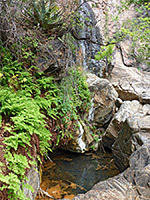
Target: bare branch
46, 193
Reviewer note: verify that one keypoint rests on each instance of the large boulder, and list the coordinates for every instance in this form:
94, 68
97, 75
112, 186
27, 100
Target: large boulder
131, 83
101, 112
139, 171
104, 97
116, 188
127, 109
135, 131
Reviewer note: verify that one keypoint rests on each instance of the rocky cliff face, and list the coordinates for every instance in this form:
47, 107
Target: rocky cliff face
90, 32
128, 133
99, 27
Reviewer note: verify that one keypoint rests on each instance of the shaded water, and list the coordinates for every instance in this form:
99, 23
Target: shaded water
73, 173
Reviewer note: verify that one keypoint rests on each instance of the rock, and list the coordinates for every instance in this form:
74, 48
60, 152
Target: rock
53, 57
118, 102
139, 171
127, 109
117, 188
34, 181
90, 31
125, 48
101, 112
131, 83
122, 56
135, 131
104, 97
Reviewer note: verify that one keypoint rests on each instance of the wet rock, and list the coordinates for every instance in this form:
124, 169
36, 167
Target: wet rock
117, 188
131, 83
135, 131
127, 109
118, 102
82, 139
104, 97
92, 33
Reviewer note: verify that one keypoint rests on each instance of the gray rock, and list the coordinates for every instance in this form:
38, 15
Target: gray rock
131, 83
104, 97
103, 102
139, 171
90, 31
135, 131
127, 109
34, 181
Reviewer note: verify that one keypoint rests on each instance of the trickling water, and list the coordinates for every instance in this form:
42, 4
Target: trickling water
83, 54
82, 34
91, 111
82, 144
90, 31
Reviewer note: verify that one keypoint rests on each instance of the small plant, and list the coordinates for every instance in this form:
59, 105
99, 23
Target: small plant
46, 14
105, 53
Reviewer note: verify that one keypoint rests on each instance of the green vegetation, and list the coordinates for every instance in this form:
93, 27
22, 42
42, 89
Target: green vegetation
33, 107
38, 113
46, 14
105, 53
137, 30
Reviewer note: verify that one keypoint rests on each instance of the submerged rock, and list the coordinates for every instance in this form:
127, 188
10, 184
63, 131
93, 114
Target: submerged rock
117, 188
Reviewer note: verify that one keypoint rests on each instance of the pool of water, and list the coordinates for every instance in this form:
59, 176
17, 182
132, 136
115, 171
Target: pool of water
70, 173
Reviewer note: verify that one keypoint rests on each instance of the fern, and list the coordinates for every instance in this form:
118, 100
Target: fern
17, 139
12, 183
32, 104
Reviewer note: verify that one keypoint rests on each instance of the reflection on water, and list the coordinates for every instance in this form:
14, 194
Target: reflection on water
73, 173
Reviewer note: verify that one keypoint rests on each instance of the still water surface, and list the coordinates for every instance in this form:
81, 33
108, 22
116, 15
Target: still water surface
72, 173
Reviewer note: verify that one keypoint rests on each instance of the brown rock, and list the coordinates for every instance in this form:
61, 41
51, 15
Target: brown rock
81, 141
